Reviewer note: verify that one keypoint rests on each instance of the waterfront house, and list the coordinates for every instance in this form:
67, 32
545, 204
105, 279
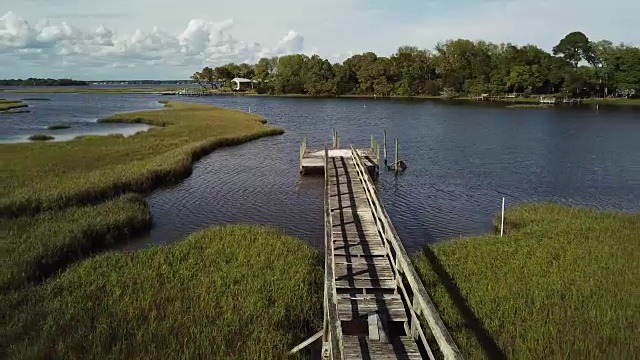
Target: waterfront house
241, 84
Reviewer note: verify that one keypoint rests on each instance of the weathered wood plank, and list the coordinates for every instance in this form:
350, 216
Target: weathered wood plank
374, 331
358, 347
342, 248
389, 307
338, 238
365, 275
378, 261
380, 268
366, 284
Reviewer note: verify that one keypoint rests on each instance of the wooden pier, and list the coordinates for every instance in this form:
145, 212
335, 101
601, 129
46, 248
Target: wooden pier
375, 306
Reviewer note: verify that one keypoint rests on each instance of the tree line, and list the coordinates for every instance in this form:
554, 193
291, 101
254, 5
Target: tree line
576, 67
42, 82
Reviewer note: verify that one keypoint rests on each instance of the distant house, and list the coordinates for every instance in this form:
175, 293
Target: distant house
240, 84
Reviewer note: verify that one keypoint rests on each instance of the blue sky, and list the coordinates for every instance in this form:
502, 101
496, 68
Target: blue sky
158, 39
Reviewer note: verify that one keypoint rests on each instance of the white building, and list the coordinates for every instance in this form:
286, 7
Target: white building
238, 84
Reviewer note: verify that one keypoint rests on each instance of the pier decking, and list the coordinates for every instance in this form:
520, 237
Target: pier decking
374, 301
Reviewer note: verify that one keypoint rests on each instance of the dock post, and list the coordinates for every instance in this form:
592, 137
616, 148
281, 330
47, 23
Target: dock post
372, 142
384, 147
303, 149
397, 159
334, 143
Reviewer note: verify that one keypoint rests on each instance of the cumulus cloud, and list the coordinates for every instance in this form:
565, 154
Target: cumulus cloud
201, 43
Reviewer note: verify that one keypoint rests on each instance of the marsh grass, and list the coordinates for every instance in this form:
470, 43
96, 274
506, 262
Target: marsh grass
609, 101
6, 105
59, 127
44, 176
561, 284
230, 292
41, 137
33, 248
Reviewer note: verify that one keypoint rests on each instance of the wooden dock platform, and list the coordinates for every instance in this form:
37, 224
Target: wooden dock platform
312, 161
373, 301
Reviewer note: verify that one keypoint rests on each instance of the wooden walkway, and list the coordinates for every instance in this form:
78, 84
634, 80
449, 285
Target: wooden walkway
374, 301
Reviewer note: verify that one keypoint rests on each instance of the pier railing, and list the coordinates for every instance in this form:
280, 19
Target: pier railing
332, 328
412, 291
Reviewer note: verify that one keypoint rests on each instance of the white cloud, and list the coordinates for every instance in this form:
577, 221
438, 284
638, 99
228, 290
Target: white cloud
201, 43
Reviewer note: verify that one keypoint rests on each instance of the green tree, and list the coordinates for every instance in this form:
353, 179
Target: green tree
263, 69
627, 70
197, 77
345, 81
574, 48
209, 76
456, 67
319, 77
413, 69
246, 71
461, 60
223, 73
289, 79
362, 66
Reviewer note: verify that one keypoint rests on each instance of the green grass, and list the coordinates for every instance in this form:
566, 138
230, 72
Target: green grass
613, 101
41, 137
34, 248
225, 293
59, 127
44, 176
562, 283
6, 105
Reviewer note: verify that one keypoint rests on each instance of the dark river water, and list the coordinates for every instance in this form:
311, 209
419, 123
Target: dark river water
462, 159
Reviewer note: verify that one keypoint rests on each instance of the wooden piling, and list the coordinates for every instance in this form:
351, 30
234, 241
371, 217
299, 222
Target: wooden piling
303, 149
397, 158
384, 147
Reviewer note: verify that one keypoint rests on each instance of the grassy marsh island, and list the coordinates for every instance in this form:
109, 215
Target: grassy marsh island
6, 105
59, 127
49, 176
226, 292
41, 137
562, 283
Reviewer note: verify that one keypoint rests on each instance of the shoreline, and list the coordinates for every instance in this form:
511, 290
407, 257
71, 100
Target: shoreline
159, 90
